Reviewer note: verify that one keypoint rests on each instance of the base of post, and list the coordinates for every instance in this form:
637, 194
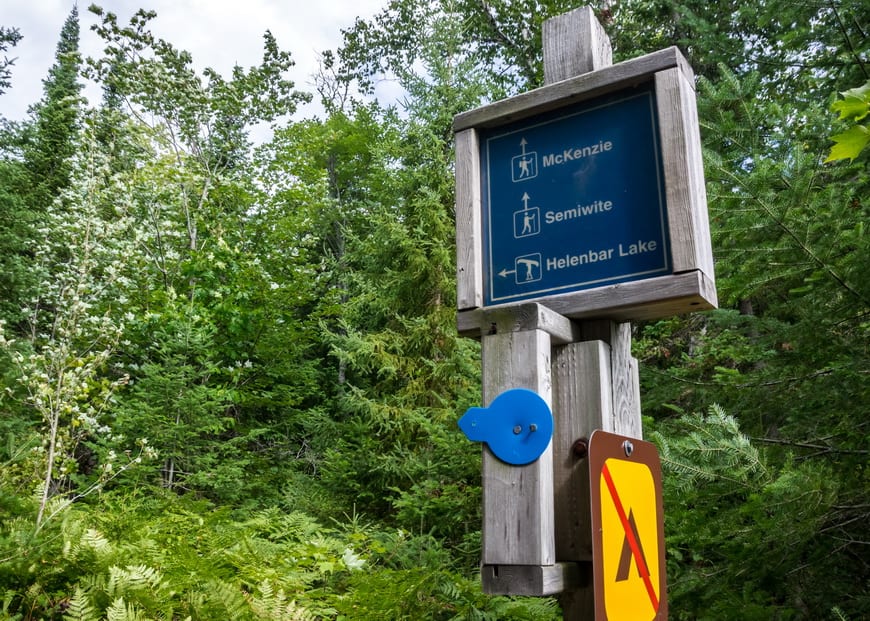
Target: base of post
535, 580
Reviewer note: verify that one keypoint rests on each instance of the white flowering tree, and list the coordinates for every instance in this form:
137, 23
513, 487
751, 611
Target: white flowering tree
202, 303
75, 322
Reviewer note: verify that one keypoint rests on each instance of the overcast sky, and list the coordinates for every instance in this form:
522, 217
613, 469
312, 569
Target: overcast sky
218, 33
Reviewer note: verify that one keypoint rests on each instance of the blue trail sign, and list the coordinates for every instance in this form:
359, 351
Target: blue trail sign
574, 199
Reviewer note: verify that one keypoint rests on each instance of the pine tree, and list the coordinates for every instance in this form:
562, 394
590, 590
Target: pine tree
17, 223
56, 119
9, 37
35, 165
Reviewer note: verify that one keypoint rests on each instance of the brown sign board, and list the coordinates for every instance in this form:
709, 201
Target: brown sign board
628, 544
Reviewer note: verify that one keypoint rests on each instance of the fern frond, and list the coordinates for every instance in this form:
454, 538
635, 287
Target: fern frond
224, 600
274, 606
138, 577
90, 541
80, 608
121, 611
521, 607
449, 588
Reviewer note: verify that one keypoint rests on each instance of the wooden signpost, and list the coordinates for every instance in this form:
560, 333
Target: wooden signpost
579, 206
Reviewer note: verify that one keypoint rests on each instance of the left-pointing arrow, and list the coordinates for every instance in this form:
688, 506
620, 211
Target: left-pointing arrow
504, 273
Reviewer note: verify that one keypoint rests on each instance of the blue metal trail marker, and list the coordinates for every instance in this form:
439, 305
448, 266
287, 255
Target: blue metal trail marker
574, 200
517, 426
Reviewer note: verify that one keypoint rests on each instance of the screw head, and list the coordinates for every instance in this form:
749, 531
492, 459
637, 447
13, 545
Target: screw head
580, 448
518, 429
628, 447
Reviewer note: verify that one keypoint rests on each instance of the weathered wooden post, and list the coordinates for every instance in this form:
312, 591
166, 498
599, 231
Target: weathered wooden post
580, 206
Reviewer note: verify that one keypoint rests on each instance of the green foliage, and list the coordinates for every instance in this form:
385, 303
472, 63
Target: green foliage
373, 220
785, 207
35, 166
80, 608
471, 37
206, 118
17, 230
432, 594
9, 38
286, 319
174, 398
406, 371
732, 514
855, 106
61, 370
709, 449
163, 557
56, 119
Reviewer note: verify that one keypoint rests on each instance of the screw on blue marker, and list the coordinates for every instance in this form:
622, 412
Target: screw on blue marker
517, 426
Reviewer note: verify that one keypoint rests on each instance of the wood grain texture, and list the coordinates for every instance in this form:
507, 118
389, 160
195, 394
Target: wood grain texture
587, 86
650, 299
582, 403
517, 500
530, 316
696, 172
684, 174
625, 382
574, 43
469, 238
534, 580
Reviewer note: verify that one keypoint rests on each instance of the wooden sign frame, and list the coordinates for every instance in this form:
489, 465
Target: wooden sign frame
691, 284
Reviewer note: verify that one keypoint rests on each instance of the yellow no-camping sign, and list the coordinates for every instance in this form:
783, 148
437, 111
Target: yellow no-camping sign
627, 529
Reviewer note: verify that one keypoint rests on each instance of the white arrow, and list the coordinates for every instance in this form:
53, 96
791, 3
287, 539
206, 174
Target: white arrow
504, 273
526, 198
523, 144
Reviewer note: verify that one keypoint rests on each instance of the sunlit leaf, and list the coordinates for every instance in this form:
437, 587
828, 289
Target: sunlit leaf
849, 144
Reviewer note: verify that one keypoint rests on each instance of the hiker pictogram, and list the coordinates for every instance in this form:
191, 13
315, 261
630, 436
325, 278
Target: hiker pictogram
525, 165
527, 221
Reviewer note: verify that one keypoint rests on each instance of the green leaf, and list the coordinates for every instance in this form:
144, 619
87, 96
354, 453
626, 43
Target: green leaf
849, 144
852, 107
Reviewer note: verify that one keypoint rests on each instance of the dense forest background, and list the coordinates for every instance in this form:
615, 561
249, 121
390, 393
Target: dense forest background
231, 374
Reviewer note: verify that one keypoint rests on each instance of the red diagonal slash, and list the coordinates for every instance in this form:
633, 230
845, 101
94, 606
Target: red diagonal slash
632, 541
